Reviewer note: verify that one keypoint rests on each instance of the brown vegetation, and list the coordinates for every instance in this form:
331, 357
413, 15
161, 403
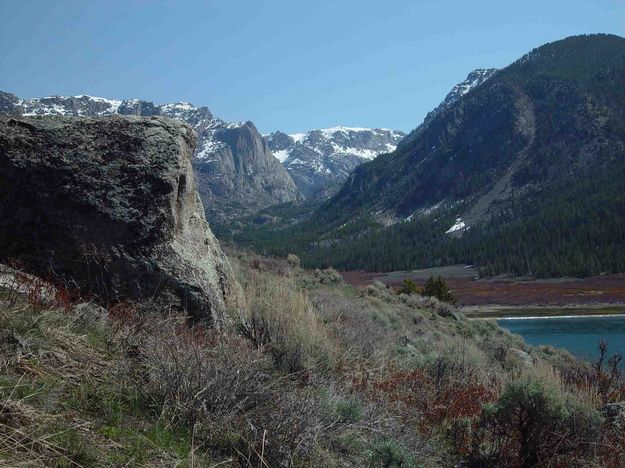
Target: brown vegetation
314, 373
609, 289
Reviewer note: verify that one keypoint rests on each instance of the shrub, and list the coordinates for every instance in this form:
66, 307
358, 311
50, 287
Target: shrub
389, 453
355, 323
328, 276
270, 265
293, 260
443, 309
192, 375
438, 288
409, 287
287, 431
281, 319
381, 291
348, 410
538, 423
607, 381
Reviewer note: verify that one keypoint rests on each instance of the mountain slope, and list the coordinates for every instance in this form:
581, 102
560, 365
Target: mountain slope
236, 172
473, 80
556, 112
320, 160
524, 174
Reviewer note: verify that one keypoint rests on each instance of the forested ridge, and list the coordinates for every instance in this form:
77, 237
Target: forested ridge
532, 161
575, 229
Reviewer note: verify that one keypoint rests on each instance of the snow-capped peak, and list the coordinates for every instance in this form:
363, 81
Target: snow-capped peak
333, 130
298, 137
206, 126
329, 154
475, 78
177, 106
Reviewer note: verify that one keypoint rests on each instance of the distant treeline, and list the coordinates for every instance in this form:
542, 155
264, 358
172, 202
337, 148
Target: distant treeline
576, 228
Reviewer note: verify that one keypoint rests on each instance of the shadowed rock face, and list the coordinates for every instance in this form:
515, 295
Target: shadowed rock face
111, 204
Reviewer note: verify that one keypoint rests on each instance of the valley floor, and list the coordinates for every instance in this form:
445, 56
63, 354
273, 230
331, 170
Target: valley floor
501, 296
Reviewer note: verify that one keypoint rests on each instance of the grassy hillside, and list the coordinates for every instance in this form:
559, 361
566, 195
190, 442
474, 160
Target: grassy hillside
317, 373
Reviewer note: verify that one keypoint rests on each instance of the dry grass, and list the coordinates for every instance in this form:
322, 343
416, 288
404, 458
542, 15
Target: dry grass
316, 373
282, 320
192, 374
65, 397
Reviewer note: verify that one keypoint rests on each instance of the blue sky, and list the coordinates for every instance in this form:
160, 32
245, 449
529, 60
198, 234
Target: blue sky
288, 65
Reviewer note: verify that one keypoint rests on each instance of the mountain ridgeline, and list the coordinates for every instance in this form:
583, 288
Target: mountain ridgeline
321, 160
235, 170
522, 174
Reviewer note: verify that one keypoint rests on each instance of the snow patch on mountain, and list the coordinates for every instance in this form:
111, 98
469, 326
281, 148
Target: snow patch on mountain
326, 156
473, 79
297, 137
281, 155
363, 143
207, 127
80, 105
459, 225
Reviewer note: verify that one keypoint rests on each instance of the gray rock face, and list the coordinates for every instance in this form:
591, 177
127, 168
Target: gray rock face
473, 80
110, 204
320, 160
237, 174
93, 315
9, 104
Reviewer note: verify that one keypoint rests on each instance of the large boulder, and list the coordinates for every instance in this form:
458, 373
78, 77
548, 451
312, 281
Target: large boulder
111, 205
237, 174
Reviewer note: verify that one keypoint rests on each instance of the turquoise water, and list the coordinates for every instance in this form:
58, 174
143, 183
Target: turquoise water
580, 335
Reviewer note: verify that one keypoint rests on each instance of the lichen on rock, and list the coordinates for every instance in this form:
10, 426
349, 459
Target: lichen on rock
111, 205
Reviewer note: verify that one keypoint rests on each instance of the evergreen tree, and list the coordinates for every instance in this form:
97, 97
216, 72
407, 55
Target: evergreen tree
438, 288
409, 287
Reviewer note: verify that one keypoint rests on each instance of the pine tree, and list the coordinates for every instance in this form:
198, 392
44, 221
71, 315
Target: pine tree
438, 288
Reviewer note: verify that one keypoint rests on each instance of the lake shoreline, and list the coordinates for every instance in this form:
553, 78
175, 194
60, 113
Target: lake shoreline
496, 312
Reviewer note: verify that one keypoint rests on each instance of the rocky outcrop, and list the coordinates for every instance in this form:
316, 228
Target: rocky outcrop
10, 105
515, 356
110, 204
237, 173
